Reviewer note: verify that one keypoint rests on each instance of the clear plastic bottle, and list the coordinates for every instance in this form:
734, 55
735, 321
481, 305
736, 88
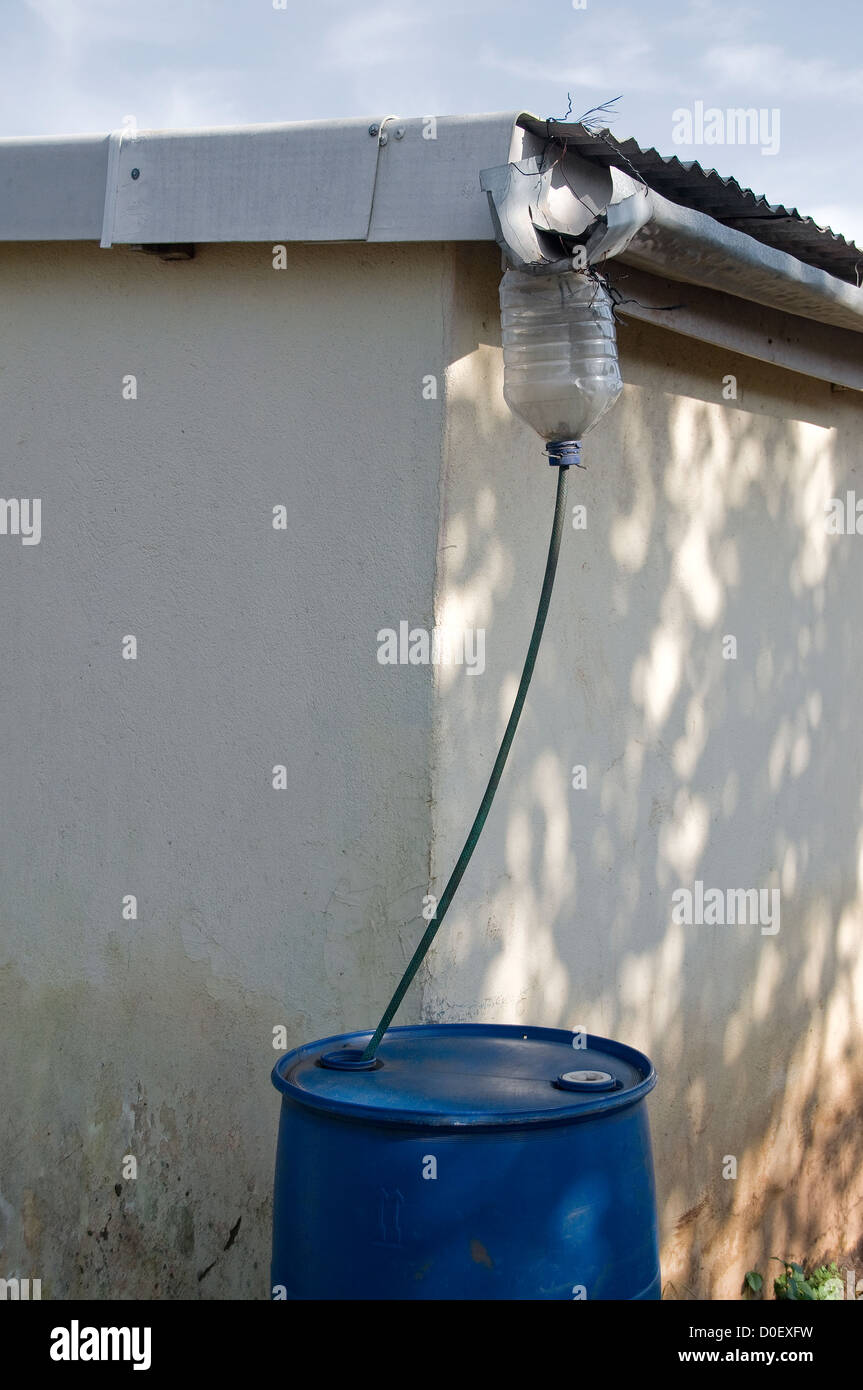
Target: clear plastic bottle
561, 372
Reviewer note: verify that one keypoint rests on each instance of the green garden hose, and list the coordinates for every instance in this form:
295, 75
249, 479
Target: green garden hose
496, 772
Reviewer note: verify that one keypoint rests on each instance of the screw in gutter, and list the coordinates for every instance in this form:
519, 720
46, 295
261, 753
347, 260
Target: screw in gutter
136, 173
374, 129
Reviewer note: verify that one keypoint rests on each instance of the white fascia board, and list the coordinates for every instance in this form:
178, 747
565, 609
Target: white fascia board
304, 182
316, 181
738, 326
53, 189
413, 180
428, 189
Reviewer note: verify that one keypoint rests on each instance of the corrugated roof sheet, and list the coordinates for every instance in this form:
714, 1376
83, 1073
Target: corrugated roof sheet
724, 199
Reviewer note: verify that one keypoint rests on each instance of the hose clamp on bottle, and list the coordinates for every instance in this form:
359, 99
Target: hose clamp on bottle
564, 452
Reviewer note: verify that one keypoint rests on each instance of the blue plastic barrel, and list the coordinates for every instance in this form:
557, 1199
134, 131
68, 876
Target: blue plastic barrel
473, 1162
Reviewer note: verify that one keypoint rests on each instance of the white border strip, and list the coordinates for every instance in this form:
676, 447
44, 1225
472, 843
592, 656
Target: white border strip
115, 140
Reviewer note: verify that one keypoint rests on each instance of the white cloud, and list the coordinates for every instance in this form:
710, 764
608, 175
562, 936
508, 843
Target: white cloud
709, 19
628, 68
373, 38
181, 100
163, 22
768, 69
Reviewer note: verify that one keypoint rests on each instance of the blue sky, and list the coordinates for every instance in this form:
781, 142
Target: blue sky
84, 65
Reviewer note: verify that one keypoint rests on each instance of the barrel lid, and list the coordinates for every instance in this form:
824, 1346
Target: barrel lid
467, 1074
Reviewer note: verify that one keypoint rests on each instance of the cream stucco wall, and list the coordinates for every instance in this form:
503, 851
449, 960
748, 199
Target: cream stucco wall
705, 519
257, 907
261, 907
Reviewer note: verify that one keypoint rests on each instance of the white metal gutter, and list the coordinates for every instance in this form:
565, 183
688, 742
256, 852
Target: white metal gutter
686, 245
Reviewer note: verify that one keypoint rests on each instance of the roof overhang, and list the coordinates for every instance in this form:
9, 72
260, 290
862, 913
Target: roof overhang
389, 179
